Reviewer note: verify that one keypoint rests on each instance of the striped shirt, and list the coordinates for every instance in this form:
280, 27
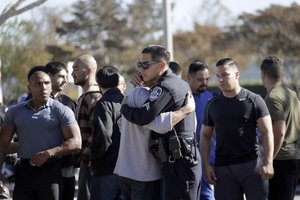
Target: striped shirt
84, 114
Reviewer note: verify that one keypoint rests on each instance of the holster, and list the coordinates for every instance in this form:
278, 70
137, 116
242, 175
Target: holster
173, 147
189, 149
158, 149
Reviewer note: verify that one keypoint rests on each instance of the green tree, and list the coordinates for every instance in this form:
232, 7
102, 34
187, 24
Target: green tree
10, 10
22, 47
208, 43
274, 31
110, 30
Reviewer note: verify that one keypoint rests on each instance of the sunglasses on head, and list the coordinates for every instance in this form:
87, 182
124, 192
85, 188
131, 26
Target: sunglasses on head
145, 65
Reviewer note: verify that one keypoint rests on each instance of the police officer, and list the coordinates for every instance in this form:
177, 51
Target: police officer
179, 156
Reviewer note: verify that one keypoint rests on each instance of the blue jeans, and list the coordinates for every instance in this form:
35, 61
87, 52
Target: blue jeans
105, 187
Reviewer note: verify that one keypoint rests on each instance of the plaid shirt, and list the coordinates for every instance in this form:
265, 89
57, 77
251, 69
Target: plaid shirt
84, 114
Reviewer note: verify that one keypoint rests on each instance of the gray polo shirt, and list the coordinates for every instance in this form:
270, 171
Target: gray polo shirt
41, 129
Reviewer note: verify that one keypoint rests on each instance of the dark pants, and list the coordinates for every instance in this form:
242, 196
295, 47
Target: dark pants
84, 181
105, 187
236, 180
182, 180
139, 190
68, 188
283, 184
37, 183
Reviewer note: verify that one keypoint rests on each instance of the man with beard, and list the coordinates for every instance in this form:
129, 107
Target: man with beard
84, 71
197, 78
58, 75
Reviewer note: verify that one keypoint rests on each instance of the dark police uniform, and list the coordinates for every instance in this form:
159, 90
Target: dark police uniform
181, 167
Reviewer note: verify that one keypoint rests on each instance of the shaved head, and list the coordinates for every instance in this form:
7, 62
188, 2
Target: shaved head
37, 75
86, 61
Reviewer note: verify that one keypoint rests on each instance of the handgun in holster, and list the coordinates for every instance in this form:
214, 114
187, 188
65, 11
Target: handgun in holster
189, 149
174, 148
157, 148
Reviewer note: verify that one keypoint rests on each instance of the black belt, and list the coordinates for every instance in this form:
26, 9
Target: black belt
24, 161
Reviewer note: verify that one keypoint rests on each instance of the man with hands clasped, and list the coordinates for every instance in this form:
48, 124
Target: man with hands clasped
46, 130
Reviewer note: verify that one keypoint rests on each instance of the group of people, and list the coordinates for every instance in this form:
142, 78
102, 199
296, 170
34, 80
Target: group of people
166, 138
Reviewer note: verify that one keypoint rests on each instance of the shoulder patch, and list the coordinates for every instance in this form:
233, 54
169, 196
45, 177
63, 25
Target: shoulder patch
155, 94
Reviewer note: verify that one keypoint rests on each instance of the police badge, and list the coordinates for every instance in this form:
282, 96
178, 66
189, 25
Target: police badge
155, 94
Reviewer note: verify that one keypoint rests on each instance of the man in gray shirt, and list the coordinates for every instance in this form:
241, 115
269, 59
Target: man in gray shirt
46, 130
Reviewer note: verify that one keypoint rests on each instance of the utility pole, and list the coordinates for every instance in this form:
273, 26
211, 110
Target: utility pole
168, 35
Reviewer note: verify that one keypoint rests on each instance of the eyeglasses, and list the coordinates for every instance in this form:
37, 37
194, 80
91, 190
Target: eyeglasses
146, 65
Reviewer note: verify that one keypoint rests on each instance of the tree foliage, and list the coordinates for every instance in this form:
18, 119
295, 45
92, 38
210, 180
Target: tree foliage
12, 9
274, 31
111, 30
21, 49
115, 32
208, 43
17, 7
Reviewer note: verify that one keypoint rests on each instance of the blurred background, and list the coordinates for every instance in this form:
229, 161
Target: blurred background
34, 32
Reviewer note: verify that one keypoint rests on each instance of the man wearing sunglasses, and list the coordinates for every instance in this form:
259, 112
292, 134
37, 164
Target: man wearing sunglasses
181, 165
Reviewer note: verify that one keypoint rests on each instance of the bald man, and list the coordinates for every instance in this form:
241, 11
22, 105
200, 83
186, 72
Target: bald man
84, 71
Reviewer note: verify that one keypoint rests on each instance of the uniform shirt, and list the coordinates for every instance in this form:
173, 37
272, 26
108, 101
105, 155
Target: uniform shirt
168, 95
135, 161
39, 130
234, 120
284, 104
